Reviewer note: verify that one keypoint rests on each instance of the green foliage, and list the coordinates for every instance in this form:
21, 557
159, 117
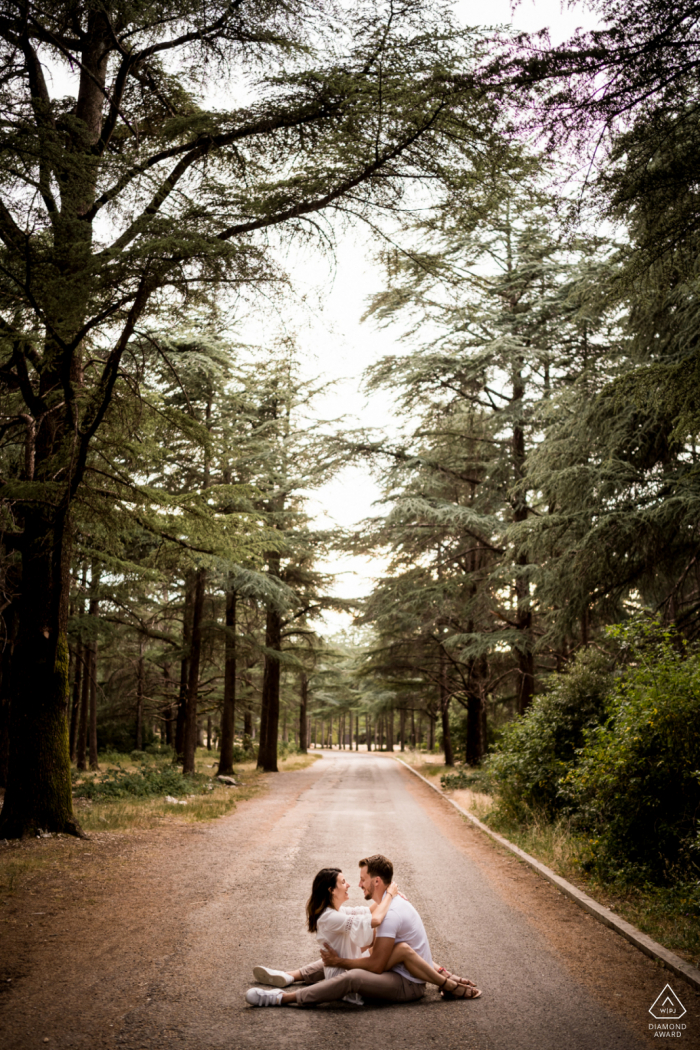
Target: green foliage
538, 750
474, 778
114, 734
636, 785
147, 782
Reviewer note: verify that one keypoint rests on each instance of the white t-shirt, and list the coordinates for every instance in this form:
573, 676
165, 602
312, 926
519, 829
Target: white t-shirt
403, 923
347, 930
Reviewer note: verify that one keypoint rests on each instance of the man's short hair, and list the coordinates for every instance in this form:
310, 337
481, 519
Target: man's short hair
379, 866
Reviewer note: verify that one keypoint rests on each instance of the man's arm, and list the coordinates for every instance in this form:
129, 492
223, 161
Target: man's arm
376, 963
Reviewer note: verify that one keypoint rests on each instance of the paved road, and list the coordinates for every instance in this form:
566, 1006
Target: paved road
148, 941
355, 805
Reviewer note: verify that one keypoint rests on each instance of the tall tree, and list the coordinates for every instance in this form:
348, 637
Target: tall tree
130, 197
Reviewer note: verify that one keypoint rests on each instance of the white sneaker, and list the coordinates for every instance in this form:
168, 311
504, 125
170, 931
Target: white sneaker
263, 997
277, 978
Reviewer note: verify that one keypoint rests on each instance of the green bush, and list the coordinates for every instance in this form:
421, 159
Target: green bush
245, 753
478, 779
116, 735
636, 785
535, 752
148, 781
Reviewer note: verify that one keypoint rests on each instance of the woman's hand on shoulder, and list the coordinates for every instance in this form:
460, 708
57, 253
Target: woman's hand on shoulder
393, 890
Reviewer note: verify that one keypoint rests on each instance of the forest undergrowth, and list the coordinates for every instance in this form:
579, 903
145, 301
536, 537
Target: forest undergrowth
669, 914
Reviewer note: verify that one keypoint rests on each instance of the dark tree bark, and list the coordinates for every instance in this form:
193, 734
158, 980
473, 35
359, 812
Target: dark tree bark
368, 733
475, 741
140, 688
168, 709
390, 730
184, 664
303, 707
525, 655
445, 699
270, 704
39, 794
228, 714
81, 750
11, 626
431, 730
476, 714
93, 610
75, 706
402, 729
188, 763
94, 765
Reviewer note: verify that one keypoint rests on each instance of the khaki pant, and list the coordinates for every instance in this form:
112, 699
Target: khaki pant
389, 987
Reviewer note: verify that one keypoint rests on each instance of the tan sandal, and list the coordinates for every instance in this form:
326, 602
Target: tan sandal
462, 991
454, 977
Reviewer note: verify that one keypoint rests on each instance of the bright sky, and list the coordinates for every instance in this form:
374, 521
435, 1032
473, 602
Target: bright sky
335, 343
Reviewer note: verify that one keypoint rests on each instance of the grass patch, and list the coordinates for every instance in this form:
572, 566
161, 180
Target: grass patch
427, 764
671, 915
120, 809
139, 813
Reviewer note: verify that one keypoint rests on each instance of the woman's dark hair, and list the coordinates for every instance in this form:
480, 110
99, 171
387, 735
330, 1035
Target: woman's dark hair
320, 898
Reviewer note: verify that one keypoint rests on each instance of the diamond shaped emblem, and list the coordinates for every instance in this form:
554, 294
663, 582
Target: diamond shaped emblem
667, 1006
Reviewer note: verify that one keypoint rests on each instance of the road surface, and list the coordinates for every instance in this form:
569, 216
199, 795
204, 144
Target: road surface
164, 954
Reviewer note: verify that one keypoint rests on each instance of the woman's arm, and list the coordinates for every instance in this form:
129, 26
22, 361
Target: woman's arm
379, 912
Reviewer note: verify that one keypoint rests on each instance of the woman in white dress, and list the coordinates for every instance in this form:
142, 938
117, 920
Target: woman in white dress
349, 930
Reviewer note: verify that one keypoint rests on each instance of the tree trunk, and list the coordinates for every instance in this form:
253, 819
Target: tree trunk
190, 734
168, 708
187, 613
11, 584
526, 671
475, 741
228, 714
94, 765
84, 710
390, 730
209, 733
402, 729
270, 705
476, 738
93, 610
367, 733
525, 655
270, 701
139, 698
303, 705
75, 707
39, 794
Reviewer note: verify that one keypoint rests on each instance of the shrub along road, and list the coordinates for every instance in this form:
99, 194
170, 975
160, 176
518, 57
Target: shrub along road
148, 940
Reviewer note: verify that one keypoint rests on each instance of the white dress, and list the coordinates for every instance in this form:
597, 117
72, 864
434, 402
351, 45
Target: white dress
347, 931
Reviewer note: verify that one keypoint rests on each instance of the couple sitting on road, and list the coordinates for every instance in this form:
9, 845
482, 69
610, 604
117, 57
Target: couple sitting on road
380, 953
